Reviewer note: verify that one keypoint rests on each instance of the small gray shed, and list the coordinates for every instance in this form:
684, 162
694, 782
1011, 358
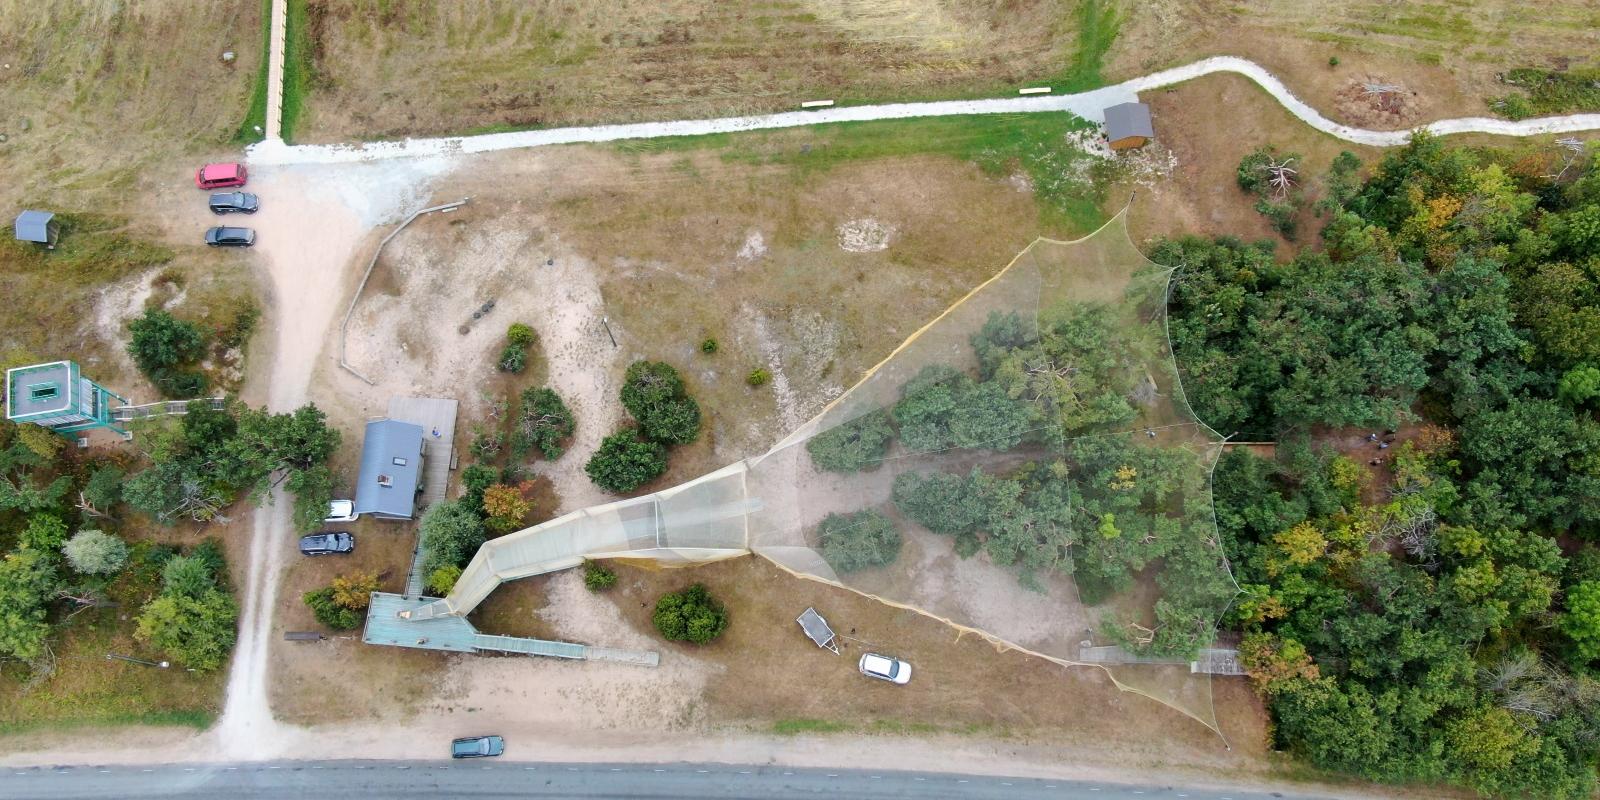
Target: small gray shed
391, 470
39, 227
1128, 126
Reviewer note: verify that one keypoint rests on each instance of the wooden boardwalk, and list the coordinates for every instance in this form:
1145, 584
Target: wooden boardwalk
437, 418
385, 626
1210, 661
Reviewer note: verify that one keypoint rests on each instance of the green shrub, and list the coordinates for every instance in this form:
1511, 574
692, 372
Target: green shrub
443, 579
1512, 106
513, 359
543, 422
858, 444
476, 479
93, 552
452, 532
653, 393
194, 631
486, 443
45, 533
857, 541
624, 462
597, 576
1280, 214
758, 377
691, 615
330, 613
708, 346
163, 347
521, 335
1550, 92
1333, 61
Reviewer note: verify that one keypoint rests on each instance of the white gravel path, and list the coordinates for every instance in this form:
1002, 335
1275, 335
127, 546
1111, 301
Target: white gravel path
1088, 105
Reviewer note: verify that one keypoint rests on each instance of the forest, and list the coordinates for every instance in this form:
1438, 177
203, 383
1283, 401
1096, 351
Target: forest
1428, 611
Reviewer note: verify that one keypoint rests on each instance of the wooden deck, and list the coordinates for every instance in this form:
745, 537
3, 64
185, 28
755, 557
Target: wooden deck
437, 417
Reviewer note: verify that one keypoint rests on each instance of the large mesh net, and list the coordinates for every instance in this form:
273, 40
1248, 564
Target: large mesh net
1024, 467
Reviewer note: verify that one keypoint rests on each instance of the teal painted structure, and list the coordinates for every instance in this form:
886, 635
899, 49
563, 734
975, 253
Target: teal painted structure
58, 397
454, 634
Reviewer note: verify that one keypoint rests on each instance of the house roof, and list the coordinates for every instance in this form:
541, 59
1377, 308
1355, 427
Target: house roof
1128, 119
391, 463
34, 226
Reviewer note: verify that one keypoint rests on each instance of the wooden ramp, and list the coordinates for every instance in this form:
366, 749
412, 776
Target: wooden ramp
385, 626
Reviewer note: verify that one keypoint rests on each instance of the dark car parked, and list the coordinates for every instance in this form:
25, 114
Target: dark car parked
234, 202
327, 544
230, 237
477, 747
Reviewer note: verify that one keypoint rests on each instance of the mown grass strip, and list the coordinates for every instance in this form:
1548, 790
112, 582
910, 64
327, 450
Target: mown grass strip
298, 71
254, 127
1036, 145
199, 720
1098, 23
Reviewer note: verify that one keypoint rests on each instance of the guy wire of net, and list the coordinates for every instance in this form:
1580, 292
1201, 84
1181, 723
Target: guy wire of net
1024, 467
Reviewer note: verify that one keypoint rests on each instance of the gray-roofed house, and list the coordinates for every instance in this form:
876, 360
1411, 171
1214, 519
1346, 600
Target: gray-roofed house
1128, 126
391, 470
39, 227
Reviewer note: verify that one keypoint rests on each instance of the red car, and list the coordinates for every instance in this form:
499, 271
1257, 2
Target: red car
220, 176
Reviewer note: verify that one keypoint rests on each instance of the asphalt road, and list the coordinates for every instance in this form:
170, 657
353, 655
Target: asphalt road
354, 780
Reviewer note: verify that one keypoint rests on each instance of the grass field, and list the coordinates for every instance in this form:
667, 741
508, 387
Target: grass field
1035, 145
387, 69
73, 302
1450, 53
111, 90
430, 66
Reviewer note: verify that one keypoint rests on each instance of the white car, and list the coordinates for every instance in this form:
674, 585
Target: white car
885, 668
342, 511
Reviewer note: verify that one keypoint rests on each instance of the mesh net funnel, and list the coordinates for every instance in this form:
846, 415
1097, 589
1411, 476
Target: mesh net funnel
1024, 467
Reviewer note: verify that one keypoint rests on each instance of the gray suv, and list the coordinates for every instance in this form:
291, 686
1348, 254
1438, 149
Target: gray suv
234, 203
230, 237
327, 544
477, 747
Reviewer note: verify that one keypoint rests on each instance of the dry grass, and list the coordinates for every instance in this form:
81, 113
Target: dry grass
387, 69
769, 676
111, 89
302, 688
106, 106
1447, 52
384, 69
1210, 124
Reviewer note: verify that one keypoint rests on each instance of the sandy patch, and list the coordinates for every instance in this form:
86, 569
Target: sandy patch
406, 330
118, 304
754, 247
864, 235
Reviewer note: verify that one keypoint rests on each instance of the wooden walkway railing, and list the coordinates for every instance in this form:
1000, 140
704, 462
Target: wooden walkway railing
163, 409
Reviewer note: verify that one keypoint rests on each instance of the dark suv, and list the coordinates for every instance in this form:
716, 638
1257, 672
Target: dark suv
230, 237
477, 747
234, 202
327, 544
